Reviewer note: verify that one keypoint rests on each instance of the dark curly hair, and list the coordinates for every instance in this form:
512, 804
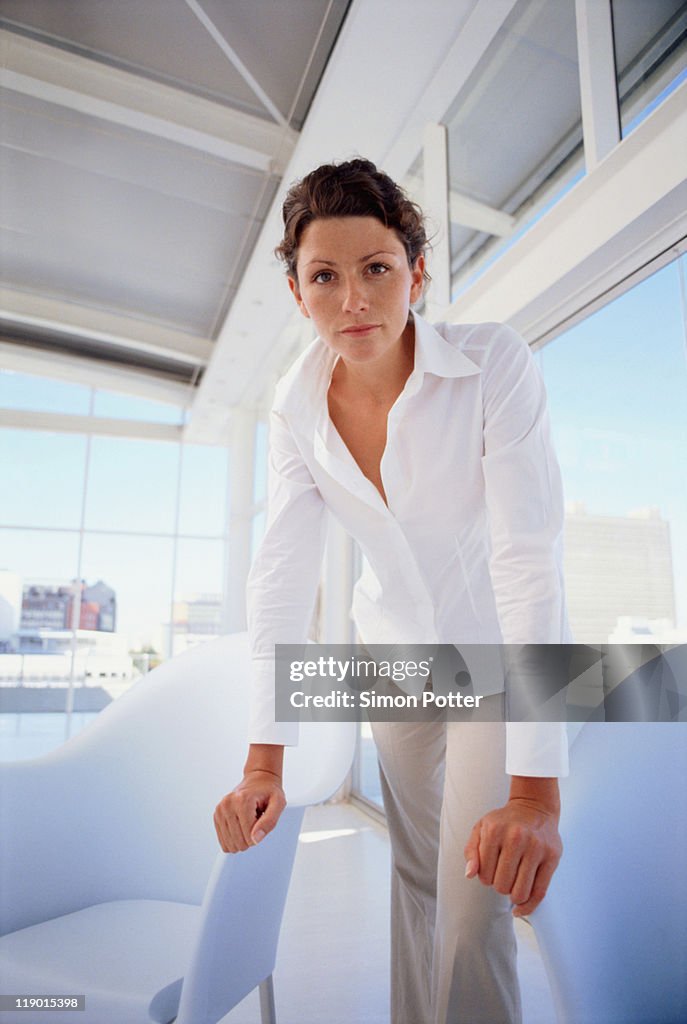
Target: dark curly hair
354, 188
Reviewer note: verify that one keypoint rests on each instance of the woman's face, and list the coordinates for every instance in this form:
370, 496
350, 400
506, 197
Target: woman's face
355, 284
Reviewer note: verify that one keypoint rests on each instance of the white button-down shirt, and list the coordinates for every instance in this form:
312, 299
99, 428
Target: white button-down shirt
468, 549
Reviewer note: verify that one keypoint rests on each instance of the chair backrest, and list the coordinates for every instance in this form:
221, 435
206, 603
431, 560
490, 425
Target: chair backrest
613, 927
127, 804
242, 912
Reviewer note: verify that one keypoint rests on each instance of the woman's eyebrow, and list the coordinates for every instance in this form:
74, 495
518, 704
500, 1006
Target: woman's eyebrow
378, 252
363, 259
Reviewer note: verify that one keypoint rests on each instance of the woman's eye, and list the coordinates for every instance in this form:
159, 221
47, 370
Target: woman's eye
323, 277
376, 269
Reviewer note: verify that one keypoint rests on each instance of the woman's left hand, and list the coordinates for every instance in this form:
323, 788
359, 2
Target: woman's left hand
516, 848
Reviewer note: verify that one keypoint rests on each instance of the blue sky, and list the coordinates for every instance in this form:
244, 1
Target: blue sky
617, 387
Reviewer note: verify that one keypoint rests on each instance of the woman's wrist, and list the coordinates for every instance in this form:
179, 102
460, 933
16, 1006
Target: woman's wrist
265, 757
543, 792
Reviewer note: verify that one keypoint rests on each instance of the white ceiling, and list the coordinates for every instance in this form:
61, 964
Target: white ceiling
163, 40
146, 146
141, 147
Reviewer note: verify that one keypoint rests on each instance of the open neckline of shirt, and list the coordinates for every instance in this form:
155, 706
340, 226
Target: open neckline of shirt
331, 428
417, 373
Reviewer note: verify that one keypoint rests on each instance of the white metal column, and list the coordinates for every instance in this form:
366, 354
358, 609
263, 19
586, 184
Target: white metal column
241, 480
77, 594
436, 207
598, 87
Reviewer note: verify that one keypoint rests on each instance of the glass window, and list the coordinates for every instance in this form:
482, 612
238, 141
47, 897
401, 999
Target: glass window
650, 38
199, 568
138, 570
203, 507
515, 135
132, 485
132, 613
25, 391
617, 385
42, 478
198, 588
260, 473
131, 407
36, 570
47, 555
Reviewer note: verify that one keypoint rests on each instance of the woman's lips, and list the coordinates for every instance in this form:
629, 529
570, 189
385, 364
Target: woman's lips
358, 330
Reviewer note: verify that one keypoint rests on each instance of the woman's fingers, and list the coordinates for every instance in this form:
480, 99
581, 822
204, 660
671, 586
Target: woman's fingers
516, 849
538, 889
268, 817
246, 815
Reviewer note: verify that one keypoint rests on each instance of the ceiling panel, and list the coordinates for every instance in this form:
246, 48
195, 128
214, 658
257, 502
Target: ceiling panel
277, 38
122, 245
501, 153
164, 40
90, 144
137, 163
532, 61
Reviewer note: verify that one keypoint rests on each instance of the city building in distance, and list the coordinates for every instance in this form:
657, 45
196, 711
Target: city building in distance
618, 569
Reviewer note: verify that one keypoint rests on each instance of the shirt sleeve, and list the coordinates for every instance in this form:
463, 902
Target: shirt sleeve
524, 497
283, 579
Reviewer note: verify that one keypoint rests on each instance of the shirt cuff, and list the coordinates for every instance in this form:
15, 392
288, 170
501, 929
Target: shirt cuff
538, 749
262, 724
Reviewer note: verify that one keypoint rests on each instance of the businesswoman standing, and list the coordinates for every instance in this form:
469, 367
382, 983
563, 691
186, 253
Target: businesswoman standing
430, 444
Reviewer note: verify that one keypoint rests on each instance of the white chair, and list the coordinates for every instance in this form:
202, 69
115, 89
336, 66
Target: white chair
112, 884
613, 927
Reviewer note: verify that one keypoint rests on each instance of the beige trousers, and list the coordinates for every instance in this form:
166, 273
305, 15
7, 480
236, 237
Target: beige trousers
453, 950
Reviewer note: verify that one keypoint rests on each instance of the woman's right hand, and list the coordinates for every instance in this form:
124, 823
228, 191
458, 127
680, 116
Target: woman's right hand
245, 815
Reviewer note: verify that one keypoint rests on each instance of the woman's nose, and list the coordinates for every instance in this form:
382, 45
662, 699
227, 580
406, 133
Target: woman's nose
355, 297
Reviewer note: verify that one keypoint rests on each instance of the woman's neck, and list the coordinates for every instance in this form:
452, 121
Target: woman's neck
379, 381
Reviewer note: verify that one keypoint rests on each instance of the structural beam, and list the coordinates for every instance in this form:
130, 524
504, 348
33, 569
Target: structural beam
468, 212
66, 423
102, 328
96, 89
620, 217
95, 373
236, 62
478, 216
470, 44
598, 87
435, 165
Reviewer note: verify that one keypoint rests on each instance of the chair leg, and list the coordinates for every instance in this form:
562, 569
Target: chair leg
268, 1013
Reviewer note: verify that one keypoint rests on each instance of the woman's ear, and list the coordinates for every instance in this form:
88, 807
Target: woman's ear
417, 274
295, 291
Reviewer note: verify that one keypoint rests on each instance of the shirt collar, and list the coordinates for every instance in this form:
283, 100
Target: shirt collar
306, 384
434, 354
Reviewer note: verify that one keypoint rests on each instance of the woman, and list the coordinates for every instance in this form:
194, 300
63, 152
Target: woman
431, 446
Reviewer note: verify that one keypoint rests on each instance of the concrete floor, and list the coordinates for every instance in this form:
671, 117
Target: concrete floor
332, 966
